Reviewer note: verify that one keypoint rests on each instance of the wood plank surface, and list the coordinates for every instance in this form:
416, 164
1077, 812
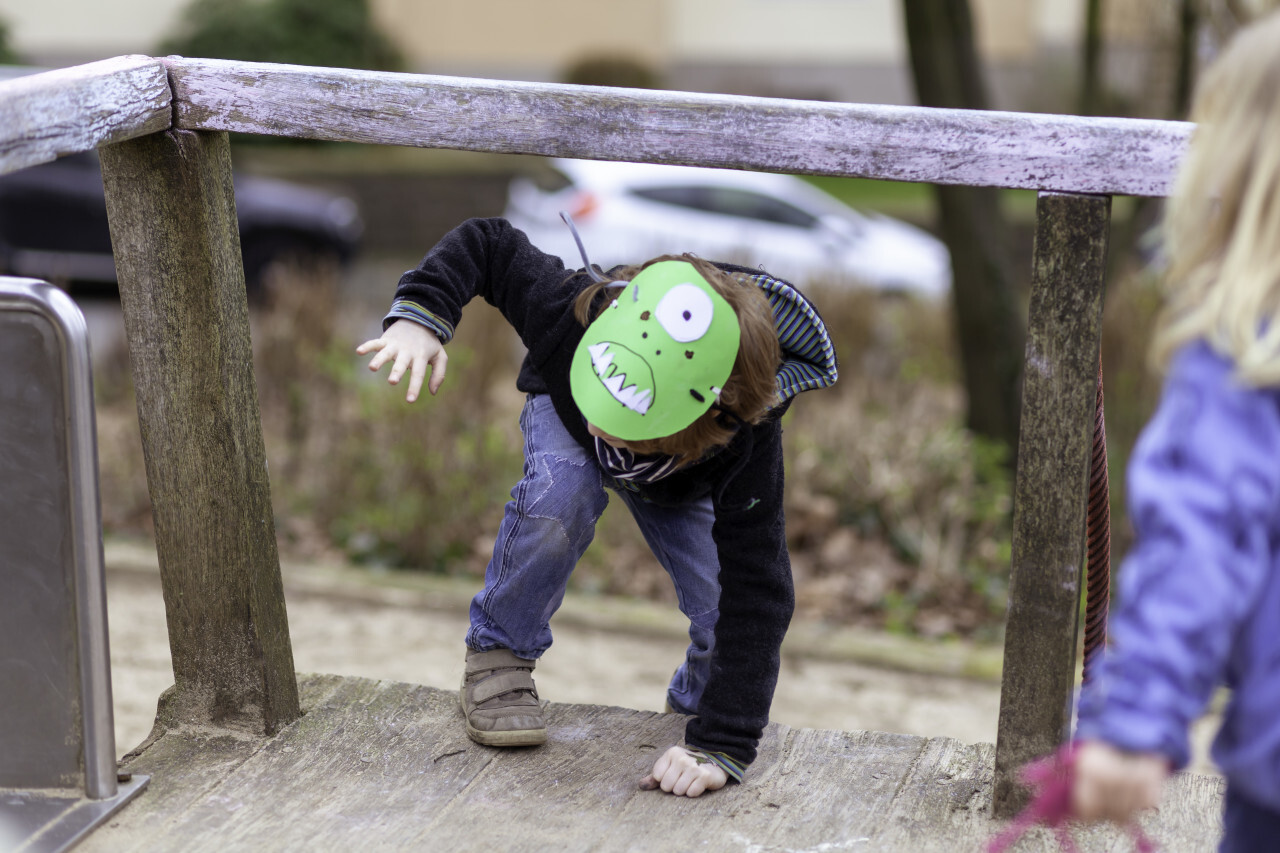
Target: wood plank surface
949, 786
377, 765
80, 108
981, 148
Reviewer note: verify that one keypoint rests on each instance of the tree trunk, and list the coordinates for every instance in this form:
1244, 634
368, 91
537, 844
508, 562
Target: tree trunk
1188, 25
989, 323
1091, 61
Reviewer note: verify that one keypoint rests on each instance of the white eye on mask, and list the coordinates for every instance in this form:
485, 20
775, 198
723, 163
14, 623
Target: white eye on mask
685, 312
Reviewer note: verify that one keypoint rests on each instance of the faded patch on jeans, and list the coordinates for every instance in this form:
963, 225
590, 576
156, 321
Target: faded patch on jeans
566, 491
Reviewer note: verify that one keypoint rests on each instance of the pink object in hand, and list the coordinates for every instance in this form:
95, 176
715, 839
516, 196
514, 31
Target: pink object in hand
1050, 780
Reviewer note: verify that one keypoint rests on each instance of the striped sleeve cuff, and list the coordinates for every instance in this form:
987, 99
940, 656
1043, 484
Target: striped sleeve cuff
732, 768
403, 309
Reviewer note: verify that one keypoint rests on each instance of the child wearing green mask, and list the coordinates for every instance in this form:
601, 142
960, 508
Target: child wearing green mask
664, 383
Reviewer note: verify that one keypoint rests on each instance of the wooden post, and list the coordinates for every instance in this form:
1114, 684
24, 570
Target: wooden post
171, 206
1051, 494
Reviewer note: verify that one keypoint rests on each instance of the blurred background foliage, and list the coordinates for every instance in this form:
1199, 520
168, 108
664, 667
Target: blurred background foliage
609, 70
339, 33
898, 516
8, 56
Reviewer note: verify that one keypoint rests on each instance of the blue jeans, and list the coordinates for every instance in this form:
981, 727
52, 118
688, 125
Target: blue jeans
1247, 826
547, 526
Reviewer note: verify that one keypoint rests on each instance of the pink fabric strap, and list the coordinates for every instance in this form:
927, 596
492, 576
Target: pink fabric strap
1050, 779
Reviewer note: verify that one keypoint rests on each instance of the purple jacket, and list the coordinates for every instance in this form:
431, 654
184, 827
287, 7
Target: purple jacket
1199, 595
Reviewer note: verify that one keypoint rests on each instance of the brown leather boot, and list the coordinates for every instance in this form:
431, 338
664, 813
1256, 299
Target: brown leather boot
500, 701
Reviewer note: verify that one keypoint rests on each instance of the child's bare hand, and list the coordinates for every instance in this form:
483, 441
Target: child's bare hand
679, 772
1111, 784
411, 347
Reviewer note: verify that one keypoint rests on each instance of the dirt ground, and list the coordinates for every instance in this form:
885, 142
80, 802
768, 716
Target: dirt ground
417, 638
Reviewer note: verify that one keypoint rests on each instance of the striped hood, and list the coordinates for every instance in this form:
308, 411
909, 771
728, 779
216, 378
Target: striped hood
808, 356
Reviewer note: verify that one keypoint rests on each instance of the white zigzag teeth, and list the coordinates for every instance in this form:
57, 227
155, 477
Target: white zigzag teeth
627, 395
636, 401
601, 358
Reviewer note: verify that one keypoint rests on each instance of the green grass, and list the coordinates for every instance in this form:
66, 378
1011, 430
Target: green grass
911, 201
914, 201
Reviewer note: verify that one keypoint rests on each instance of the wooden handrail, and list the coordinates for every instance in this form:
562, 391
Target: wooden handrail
79, 109
1108, 156
87, 106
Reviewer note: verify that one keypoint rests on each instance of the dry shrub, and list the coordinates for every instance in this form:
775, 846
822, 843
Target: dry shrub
355, 472
897, 517
354, 467
122, 479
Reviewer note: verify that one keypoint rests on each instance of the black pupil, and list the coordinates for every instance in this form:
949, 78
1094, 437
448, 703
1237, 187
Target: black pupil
687, 315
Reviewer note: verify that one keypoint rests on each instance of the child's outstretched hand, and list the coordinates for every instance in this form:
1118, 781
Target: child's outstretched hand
680, 772
1111, 784
410, 347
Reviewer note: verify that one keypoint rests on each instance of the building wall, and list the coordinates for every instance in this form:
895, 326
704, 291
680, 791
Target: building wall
843, 50
65, 32
785, 31
519, 39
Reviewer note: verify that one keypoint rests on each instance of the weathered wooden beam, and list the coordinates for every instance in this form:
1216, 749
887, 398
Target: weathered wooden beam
171, 207
980, 148
1051, 493
43, 116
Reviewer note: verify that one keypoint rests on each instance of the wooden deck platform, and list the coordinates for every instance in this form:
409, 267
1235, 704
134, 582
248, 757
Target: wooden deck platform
379, 765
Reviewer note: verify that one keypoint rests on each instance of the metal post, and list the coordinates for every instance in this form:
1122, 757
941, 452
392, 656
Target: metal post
58, 774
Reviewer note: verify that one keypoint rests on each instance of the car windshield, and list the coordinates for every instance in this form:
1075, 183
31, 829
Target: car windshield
725, 201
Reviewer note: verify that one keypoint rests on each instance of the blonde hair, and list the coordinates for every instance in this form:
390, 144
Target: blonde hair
752, 386
1222, 224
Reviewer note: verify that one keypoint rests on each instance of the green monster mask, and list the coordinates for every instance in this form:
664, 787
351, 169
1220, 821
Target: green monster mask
655, 360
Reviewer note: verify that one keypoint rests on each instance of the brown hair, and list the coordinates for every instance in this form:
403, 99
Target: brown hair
752, 386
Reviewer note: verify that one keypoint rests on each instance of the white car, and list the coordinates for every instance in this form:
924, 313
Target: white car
630, 212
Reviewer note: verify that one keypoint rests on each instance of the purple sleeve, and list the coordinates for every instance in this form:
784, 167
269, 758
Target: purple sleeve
1203, 485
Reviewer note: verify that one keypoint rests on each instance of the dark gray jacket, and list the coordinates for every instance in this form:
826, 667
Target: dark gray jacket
535, 292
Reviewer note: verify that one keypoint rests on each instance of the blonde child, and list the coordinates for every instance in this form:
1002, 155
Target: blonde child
1200, 593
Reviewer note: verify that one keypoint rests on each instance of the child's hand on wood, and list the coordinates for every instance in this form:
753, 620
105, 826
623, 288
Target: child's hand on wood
684, 774
1111, 784
410, 347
